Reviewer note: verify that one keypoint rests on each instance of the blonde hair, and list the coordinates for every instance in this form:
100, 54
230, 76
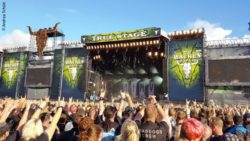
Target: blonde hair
129, 131
32, 129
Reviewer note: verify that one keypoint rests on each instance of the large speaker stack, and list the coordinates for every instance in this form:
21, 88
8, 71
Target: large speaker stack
39, 76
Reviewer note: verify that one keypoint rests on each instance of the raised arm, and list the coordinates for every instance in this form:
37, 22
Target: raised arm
130, 102
101, 103
25, 116
52, 127
121, 106
159, 108
9, 106
38, 111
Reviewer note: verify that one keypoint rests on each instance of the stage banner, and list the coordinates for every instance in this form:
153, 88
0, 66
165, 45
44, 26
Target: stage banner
186, 69
57, 73
24, 56
73, 73
13, 67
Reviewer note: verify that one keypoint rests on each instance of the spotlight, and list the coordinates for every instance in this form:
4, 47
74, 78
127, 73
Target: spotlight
162, 54
156, 53
149, 53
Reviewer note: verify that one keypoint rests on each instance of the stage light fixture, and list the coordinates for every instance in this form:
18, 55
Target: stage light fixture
150, 53
156, 53
131, 44
162, 54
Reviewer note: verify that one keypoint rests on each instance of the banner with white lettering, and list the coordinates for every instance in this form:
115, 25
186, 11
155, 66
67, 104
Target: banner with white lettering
186, 69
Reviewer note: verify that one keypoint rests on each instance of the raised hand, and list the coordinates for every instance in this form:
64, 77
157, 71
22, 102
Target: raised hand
152, 99
123, 94
194, 102
47, 98
102, 94
187, 102
43, 104
61, 103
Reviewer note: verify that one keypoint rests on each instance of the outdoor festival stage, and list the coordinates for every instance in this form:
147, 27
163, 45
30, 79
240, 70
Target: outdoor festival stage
181, 64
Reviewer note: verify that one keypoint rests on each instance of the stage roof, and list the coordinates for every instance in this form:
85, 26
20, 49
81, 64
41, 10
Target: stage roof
145, 33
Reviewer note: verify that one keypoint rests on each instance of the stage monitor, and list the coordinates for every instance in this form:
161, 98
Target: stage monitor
228, 72
38, 77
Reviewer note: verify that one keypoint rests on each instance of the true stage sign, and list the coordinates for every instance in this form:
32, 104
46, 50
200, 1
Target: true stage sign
121, 36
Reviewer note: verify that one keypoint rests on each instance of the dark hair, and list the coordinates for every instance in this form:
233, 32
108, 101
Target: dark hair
109, 113
238, 120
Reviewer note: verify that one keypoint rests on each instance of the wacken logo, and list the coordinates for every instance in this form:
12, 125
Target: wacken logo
185, 65
72, 67
187, 60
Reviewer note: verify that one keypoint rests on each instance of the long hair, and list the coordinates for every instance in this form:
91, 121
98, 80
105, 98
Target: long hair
109, 113
129, 131
32, 129
88, 130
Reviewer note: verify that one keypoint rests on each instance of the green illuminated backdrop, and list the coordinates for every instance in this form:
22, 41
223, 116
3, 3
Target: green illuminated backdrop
72, 70
186, 69
184, 64
13, 65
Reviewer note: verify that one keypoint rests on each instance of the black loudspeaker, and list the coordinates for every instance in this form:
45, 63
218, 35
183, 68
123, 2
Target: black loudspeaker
38, 77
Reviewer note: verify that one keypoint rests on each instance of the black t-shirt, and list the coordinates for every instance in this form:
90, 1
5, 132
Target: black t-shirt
15, 136
153, 131
43, 137
68, 136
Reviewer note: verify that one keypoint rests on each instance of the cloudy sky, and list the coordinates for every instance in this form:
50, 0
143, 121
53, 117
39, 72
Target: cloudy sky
221, 18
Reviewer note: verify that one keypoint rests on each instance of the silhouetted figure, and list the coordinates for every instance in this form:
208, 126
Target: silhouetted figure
41, 37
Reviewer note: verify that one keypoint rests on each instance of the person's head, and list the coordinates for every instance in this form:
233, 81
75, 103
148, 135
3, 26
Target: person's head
172, 112
192, 129
247, 119
194, 114
109, 112
238, 120
229, 121
73, 108
129, 131
207, 133
151, 112
181, 115
216, 125
88, 130
46, 119
4, 131
92, 112
32, 129
128, 113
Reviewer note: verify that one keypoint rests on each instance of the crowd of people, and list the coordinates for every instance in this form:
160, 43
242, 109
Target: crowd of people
104, 120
